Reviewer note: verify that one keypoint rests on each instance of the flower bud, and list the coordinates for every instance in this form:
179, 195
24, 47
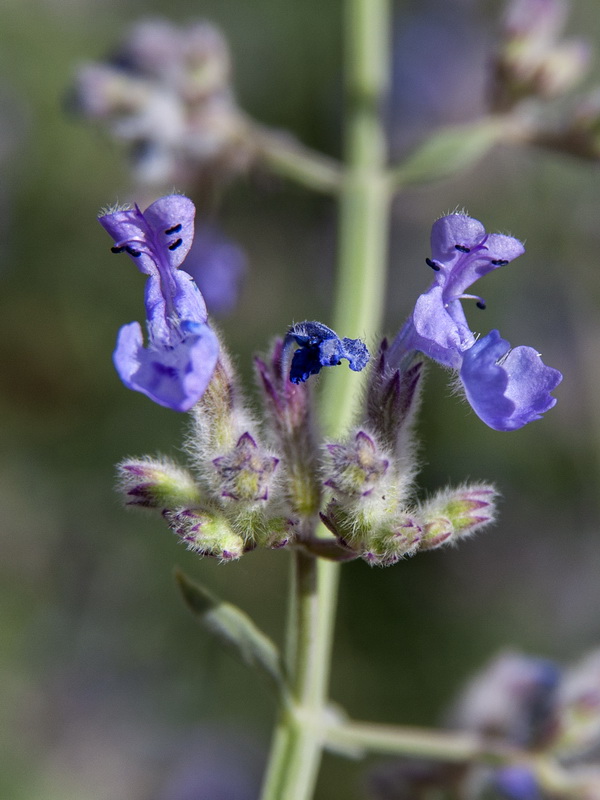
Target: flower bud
400, 539
393, 395
355, 469
153, 483
397, 535
206, 533
225, 445
245, 472
455, 513
289, 413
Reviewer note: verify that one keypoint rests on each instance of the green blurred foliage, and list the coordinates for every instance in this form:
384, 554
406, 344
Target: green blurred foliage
96, 643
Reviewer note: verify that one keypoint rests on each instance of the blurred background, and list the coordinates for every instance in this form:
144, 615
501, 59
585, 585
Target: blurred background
109, 689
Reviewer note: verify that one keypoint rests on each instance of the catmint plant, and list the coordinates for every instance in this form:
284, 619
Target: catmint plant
325, 470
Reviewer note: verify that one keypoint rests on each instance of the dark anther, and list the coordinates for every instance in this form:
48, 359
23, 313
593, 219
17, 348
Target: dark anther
175, 244
118, 249
499, 262
432, 264
462, 249
480, 304
133, 252
174, 229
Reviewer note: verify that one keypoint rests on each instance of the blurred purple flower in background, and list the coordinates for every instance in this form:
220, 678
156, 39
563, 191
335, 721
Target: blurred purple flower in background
218, 266
214, 764
517, 783
166, 93
428, 91
176, 367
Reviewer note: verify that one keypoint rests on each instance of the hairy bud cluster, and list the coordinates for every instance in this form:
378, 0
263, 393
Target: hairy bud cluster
232, 502
244, 493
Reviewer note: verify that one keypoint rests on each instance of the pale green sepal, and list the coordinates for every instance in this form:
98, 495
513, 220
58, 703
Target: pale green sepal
234, 630
447, 152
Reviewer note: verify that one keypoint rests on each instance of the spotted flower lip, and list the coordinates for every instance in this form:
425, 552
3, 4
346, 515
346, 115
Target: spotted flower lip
507, 388
461, 252
319, 346
177, 365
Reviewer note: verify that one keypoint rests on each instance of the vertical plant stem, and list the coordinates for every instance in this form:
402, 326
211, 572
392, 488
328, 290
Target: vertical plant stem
364, 201
363, 239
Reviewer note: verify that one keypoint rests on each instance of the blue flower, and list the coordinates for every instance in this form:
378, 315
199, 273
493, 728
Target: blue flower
506, 388
177, 365
517, 783
218, 265
319, 346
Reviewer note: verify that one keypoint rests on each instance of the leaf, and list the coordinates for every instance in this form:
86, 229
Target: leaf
234, 629
448, 151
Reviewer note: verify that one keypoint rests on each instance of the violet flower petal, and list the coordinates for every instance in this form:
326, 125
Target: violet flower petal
507, 388
175, 377
465, 252
440, 332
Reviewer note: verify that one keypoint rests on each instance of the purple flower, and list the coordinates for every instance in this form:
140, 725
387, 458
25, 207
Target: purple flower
319, 346
517, 783
218, 266
177, 365
506, 388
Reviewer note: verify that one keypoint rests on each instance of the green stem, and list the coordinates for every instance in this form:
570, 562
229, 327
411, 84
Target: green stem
364, 217
364, 203
358, 738
291, 159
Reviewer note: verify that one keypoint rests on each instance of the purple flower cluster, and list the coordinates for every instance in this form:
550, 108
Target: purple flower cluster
177, 365
507, 388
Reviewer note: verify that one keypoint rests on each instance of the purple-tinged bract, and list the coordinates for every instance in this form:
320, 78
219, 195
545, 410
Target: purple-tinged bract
177, 365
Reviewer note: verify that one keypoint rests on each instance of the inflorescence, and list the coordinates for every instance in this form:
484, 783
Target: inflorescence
270, 484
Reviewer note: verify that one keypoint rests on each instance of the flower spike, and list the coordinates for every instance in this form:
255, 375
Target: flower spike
177, 365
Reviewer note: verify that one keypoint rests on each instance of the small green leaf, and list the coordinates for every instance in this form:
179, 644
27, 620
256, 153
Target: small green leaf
448, 151
234, 630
